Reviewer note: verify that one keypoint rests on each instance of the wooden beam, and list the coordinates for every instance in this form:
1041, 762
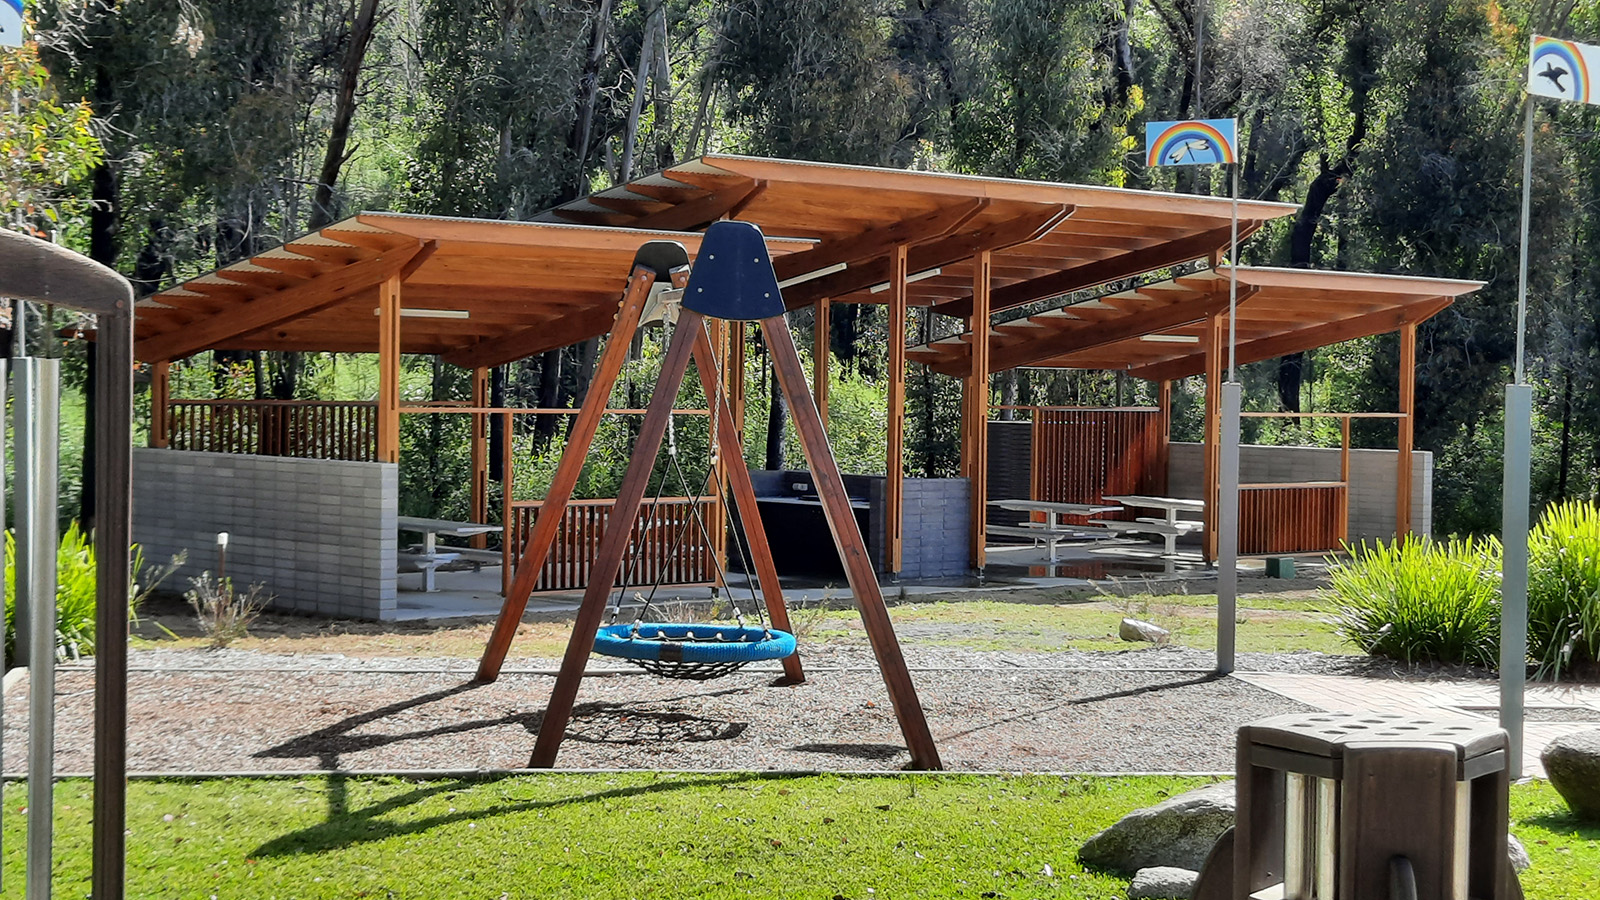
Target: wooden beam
579, 438
1088, 275
1408, 405
160, 404
820, 357
613, 547
975, 436
859, 572
525, 342
695, 214
265, 309
878, 242
1215, 351
895, 462
480, 456
943, 252
389, 370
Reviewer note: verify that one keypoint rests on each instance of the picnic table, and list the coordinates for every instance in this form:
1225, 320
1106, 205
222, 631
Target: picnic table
430, 557
1168, 526
1051, 531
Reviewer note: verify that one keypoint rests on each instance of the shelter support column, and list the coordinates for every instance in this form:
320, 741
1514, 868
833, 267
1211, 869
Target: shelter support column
1163, 461
894, 491
160, 404
820, 362
389, 370
736, 376
1408, 398
975, 409
1215, 330
480, 454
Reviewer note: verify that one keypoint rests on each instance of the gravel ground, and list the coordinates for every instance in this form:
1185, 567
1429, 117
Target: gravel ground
197, 711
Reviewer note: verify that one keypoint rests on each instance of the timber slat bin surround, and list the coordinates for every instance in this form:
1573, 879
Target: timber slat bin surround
482, 293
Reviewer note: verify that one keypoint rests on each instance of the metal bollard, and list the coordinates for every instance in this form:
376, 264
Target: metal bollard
36, 437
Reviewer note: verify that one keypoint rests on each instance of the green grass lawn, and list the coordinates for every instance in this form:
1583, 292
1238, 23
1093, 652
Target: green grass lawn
646, 835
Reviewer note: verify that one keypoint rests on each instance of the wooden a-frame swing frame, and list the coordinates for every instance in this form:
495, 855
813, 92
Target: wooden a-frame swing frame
691, 341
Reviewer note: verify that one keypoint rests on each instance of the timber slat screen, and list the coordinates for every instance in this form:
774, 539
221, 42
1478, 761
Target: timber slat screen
1304, 518
657, 550
1082, 454
307, 429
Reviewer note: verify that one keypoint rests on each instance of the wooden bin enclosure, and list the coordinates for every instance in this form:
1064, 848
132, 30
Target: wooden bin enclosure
1292, 518
307, 429
666, 544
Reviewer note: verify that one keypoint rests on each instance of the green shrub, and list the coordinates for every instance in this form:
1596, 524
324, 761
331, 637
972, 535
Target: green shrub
1422, 601
1564, 588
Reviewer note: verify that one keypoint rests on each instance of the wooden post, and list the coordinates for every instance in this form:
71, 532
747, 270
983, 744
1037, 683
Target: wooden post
819, 357
508, 480
717, 514
613, 547
841, 518
480, 456
389, 370
1344, 476
1215, 329
975, 411
1408, 399
160, 404
895, 463
1163, 461
579, 438
743, 490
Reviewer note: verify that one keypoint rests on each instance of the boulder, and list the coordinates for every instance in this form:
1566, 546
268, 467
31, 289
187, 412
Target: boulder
1177, 832
1517, 854
1572, 762
1135, 630
1163, 883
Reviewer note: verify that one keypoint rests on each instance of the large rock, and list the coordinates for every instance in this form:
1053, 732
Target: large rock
1178, 832
1135, 630
1517, 854
1163, 883
1573, 763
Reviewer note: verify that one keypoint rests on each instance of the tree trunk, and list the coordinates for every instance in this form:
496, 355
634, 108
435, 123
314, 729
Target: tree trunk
777, 421
549, 397
661, 92
1566, 435
641, 75
344, 108
588, 96
1008, 396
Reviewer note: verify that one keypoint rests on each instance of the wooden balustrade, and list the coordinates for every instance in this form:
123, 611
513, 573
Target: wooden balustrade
1306, 517
1082, 454
309, 429
666, 545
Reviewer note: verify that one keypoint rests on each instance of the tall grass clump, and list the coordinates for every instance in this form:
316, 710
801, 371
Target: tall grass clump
1564, 588
1422, 601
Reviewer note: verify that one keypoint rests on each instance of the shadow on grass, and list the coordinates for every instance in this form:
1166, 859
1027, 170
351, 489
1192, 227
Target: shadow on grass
347, 828
1565, 823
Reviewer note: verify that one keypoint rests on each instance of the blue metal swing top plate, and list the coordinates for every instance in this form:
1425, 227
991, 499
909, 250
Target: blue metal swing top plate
732, 276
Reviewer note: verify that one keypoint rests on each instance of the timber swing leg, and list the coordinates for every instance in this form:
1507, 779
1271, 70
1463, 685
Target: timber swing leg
656, 261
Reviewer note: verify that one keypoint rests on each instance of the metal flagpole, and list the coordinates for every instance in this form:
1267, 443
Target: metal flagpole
1228, 477
1515, 498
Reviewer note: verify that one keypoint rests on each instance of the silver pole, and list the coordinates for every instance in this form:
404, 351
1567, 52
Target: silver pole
37, 410
1515, 496
1233, 274
1228, 529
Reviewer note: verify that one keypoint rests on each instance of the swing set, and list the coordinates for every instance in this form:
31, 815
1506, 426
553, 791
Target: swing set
732, 280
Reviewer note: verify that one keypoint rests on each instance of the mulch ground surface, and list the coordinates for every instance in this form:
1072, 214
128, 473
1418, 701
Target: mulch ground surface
239, 711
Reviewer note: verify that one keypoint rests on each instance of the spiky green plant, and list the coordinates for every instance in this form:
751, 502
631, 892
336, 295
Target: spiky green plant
1564, 588
1421, 600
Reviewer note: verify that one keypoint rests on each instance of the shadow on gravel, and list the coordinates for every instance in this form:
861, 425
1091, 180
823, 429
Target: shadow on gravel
616, 723
347, 828
877, 752
1034, 712
328, 742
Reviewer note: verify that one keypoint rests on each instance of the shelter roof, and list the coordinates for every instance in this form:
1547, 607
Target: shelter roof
1048, 239
478, 291
1158, 331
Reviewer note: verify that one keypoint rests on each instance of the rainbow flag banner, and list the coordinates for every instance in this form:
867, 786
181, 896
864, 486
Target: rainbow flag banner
1190, 142
1565, 70
10, 23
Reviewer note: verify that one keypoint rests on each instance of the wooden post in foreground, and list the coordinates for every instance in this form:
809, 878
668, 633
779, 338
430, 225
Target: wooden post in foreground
820, 361
1214, 350
895, 458
389, 369
479, 423
975, 411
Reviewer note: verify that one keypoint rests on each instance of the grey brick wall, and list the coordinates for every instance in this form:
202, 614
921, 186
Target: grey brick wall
1372, 480
935, 527
320, 534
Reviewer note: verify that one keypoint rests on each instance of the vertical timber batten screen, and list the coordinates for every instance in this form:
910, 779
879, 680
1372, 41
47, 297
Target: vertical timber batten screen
658, 552
1291, 518
1081, 454
305, 429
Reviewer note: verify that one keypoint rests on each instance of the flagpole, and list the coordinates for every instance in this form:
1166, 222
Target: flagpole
1515, 496
1228, 477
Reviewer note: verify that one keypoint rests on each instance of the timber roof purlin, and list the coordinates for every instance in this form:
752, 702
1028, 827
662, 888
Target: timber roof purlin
1156, 331
477, 291
1048, 239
